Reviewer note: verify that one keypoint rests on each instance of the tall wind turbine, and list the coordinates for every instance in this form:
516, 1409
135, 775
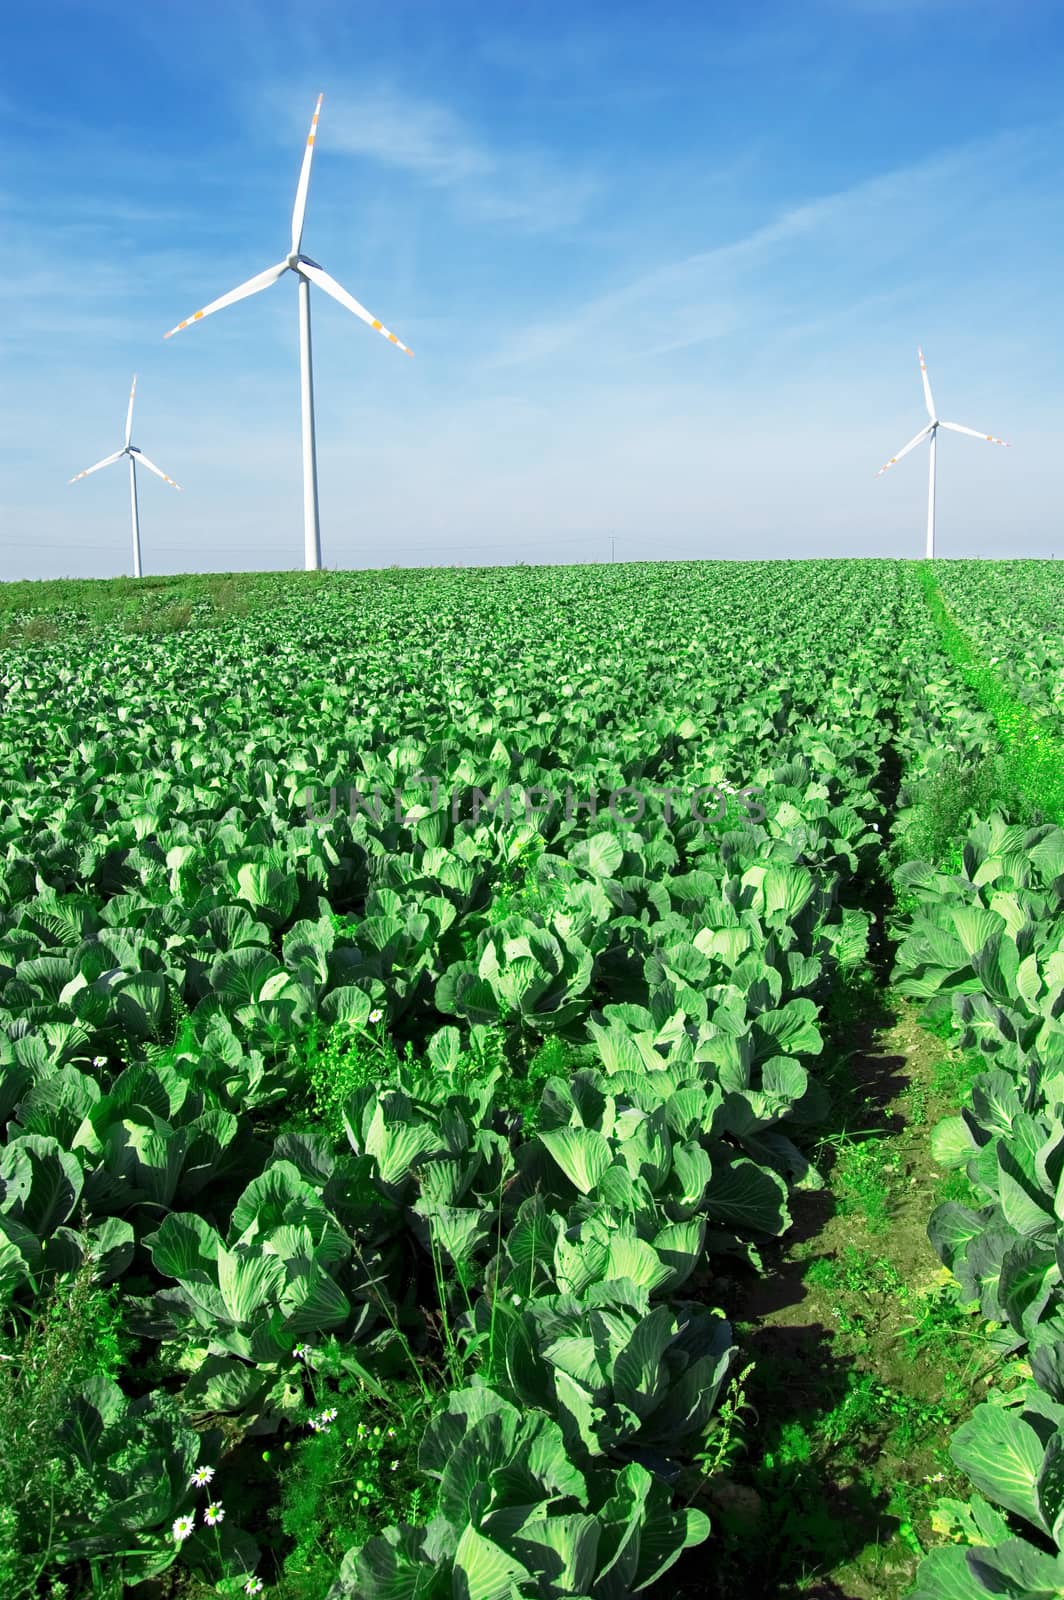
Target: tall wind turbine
932, 429
134, 455
307, 272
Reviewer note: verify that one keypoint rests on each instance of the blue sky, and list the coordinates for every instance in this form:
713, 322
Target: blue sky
664, 270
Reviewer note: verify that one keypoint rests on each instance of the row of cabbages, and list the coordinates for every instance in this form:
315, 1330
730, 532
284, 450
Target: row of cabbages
985, 950
580, 1234
159, 879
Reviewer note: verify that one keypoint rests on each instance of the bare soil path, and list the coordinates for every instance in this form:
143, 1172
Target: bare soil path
864, 1363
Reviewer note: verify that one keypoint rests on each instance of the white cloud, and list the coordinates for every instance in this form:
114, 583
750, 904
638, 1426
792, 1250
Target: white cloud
853, 238
520, 186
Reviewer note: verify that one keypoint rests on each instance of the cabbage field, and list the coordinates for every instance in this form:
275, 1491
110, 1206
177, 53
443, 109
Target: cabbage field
426, 1005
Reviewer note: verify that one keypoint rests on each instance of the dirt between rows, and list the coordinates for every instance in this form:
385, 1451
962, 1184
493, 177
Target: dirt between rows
844, 1447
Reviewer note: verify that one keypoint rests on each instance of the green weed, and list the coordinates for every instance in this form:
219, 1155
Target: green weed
956, 1186
940, 1326
917, 1096
74, 1333
951, 1077
939, 1024
516, 890
335, 1065
522, 1091
347, 1480
871, 1408
863, 1176
1032, 756
942, 801
857, 1273
725, 1431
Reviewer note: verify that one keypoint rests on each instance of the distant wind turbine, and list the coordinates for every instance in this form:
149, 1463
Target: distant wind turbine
308, 272
134, 455
932, 429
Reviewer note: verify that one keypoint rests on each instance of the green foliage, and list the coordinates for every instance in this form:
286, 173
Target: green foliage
1033, 752
513, 1510
942, 1328
522, 1087
943, 799
982, 929
335, 1066
865, 1177
725, 1432
857, 1273
470, 1105
1012, 1458
348, 1480
74, 1334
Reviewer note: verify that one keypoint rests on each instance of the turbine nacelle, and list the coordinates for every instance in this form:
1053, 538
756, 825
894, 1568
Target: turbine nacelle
295, 261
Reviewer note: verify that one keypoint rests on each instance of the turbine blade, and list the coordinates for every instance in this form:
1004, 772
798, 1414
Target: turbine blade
905, 451
928, 396
106, 462
253, 285
138, 455
955, 427
330, 285
129, 413
299, 210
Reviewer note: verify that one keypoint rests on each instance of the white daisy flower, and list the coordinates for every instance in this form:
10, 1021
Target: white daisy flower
214, 1514
253, 1586
376, 1015
201, 1476
302, 1351
183, 1528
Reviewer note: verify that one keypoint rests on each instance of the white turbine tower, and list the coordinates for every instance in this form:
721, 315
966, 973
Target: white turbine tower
134, 455
932, 429
307, 272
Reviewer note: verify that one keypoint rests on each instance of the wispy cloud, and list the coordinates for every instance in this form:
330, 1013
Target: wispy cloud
851, 236
420, 137
520, 186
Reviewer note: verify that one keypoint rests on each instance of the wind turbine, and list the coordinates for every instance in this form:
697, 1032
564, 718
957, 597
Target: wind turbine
134, 455
307, 272
932, 429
